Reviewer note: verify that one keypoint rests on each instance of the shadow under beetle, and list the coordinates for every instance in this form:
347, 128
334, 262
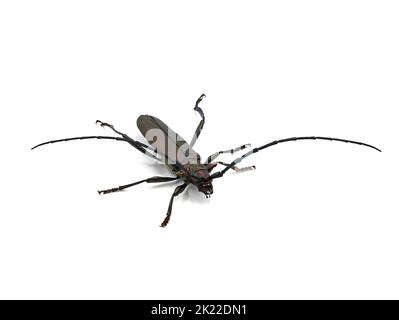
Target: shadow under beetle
179, 156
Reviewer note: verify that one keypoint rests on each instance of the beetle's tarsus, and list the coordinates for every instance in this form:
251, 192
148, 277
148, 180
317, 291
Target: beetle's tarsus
101, 192
165, 222
108, 191
104, 124
202, 96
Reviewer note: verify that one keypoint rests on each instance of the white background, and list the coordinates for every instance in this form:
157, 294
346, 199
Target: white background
315, 220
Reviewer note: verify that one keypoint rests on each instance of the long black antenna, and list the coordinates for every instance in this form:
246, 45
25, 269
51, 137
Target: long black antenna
79, 138
138, 145
221, 173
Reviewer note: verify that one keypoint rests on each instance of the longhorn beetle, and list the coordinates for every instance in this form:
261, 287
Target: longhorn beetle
169, 148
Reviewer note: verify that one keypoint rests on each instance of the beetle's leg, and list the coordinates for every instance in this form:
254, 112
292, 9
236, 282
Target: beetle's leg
237, 169
202, 122
145, 148
104, 124
231, 151
178, 190
149, 180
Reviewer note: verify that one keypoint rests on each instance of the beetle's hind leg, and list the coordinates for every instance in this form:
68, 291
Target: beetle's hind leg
237, 169
178, 190
104, 124
201, 123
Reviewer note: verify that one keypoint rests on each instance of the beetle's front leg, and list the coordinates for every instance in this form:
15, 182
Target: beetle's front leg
149, 180
237, 169
231, 151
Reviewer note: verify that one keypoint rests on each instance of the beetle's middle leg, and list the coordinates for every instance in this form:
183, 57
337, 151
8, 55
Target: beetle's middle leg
149, 180
231, 151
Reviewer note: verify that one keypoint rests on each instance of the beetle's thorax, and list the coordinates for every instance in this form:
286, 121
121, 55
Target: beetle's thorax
192, 171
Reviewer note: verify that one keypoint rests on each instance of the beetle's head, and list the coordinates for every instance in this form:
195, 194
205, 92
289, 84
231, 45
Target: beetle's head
203, 179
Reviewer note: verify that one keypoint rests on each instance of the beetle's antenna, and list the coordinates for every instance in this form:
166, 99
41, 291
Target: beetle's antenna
221, 173
139, 146
79, 138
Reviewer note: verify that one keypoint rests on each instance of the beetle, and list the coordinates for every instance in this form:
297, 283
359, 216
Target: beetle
169, 148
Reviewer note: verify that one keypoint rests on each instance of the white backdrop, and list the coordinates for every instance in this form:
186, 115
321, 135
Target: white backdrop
315, 220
